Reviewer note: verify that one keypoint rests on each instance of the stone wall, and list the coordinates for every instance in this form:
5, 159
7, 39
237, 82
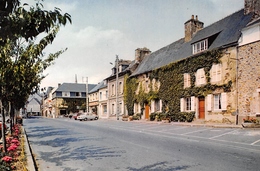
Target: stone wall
249, 79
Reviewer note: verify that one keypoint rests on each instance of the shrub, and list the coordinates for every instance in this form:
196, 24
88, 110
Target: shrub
183, 117
152, 116
189, 116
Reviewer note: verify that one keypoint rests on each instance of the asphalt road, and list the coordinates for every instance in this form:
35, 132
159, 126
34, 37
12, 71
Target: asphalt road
67, 145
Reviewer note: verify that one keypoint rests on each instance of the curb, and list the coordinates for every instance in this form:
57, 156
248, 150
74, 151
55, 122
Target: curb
28, 152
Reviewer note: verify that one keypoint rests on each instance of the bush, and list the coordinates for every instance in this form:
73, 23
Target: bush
189, 116
183, 117
152, 116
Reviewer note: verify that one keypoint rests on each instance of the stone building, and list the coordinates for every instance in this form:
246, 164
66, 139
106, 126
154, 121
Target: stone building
248, 70
201, 72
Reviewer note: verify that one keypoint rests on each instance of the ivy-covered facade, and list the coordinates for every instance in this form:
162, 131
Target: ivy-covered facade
195, 76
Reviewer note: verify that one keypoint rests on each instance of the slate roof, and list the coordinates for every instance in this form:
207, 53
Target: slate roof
98, 86
228, 31
75, 87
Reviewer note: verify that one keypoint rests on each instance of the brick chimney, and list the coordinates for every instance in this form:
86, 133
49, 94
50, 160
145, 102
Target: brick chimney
252, 6
191, 27
140, 53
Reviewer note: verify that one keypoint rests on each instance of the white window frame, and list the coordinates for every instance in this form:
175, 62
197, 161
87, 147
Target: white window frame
187, 104
200, 46
219, 102
200, 77
216, 72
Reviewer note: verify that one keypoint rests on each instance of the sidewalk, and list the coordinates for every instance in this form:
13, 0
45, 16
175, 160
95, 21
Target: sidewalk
196, 123
29, 156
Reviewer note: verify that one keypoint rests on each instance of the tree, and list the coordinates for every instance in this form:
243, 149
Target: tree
22, 60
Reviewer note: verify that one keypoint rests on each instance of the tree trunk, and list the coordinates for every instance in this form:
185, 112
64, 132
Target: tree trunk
3, 127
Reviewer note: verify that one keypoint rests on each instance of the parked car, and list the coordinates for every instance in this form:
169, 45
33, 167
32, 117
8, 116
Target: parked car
87, 116
75, 115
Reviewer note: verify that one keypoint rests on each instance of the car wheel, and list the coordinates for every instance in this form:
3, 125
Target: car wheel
96, 118
85, 119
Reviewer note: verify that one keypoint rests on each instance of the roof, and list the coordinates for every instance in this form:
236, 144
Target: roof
75, 87
227, 31
98, 86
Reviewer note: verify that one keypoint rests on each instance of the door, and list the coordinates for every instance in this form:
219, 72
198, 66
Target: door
201, 108
146, 111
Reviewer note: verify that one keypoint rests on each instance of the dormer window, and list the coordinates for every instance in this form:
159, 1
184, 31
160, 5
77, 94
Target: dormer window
200, 46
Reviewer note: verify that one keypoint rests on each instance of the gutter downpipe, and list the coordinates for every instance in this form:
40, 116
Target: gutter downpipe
237, 60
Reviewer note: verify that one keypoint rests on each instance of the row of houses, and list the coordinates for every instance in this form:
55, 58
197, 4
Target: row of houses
212, 71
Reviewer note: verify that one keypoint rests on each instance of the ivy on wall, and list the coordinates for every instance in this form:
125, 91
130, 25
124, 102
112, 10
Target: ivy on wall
172, 83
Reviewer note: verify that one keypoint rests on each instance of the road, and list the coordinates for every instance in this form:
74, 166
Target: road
67, 145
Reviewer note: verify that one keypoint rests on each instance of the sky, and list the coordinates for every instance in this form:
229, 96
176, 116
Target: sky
102, 29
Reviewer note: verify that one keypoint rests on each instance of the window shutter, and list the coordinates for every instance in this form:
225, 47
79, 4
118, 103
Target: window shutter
185, 80
209, 99
203, 77
192, 103
160, 106
182, 104
152, 106
224, 101
218, 74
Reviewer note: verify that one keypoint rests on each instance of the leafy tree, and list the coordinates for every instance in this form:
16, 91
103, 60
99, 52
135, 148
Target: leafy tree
21, 57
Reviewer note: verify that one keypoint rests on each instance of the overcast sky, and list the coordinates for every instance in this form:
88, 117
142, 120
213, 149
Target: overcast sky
102, 29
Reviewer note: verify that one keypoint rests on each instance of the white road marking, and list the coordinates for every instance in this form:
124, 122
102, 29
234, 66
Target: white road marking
223, 134
196, 131
255, 142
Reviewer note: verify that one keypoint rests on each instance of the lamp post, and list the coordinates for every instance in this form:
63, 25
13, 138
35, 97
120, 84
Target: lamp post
87, 94
117, 106
43, 94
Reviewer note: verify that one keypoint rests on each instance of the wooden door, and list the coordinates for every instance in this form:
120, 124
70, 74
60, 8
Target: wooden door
201, 108
146, 111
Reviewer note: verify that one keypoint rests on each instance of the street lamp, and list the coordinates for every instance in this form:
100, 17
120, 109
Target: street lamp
43, 94
87, 94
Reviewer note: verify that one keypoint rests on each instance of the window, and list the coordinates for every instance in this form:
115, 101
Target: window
146, 85
219, 102
105, 108
187, 104
113, 109
78, 94
200, 46
65, 94
120, 108
216, 72
200, 77
120, 87
113, 89
186, 80
106, 94
156, 105
100, 95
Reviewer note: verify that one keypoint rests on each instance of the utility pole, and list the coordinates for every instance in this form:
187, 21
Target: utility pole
117, 106
87, 94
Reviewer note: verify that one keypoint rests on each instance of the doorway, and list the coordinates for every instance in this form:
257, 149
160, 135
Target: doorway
201, 107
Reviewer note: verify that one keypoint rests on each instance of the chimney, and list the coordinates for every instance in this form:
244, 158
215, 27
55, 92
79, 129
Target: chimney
191, 27
140, 53
252, 6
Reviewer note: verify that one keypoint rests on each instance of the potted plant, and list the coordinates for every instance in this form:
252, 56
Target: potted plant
250, 122
125, 118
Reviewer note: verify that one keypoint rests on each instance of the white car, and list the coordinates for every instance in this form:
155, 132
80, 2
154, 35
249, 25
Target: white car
87, 116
